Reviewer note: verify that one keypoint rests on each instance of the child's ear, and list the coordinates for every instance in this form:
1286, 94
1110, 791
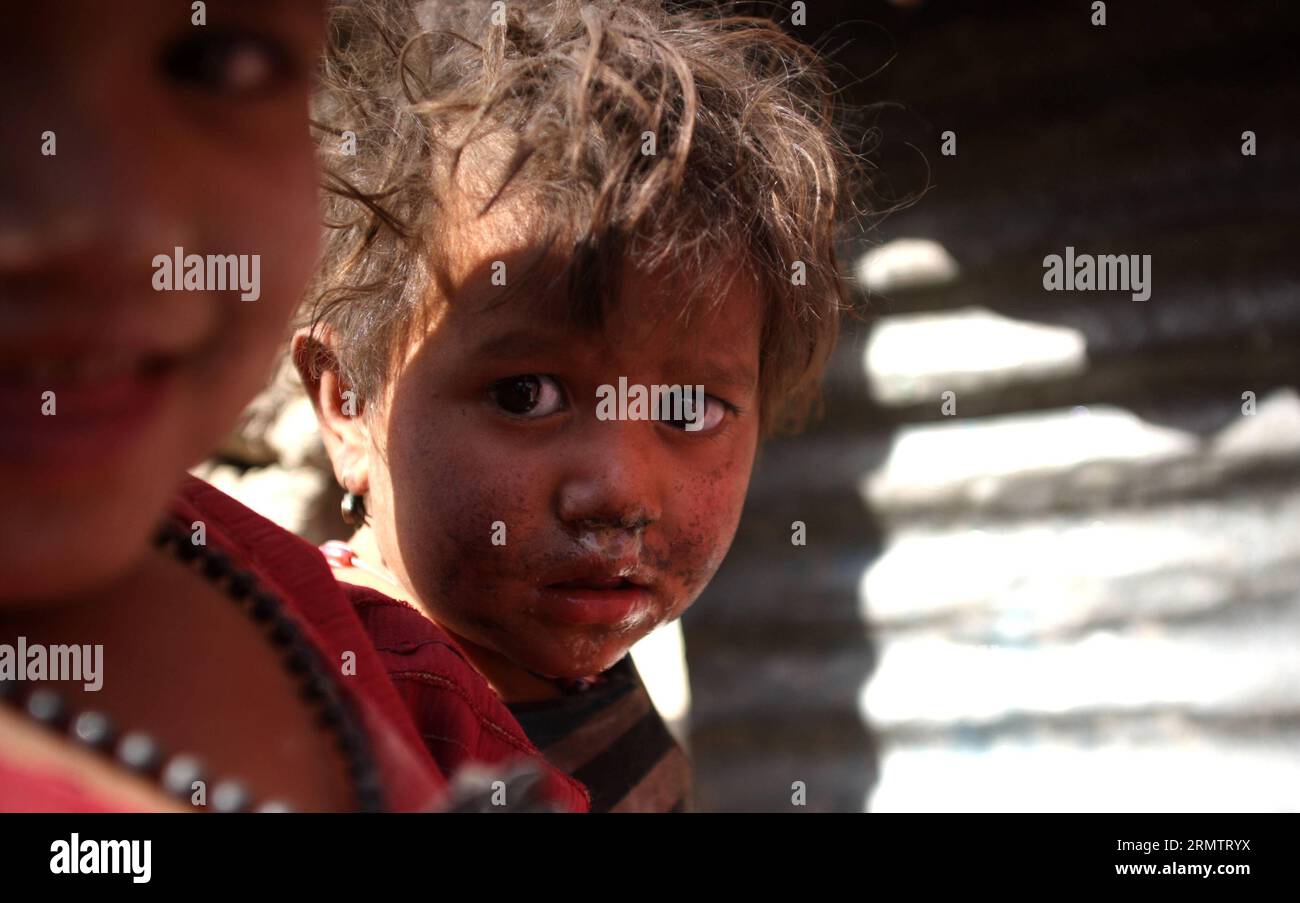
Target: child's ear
338, 408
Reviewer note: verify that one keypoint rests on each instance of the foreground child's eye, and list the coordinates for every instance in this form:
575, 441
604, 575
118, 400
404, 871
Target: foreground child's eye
715, 409
226, 62
529, 395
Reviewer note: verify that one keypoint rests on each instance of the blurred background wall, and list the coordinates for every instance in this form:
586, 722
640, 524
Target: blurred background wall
1080, 588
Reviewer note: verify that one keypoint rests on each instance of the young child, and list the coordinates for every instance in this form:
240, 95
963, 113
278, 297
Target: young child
539, 207
162, 647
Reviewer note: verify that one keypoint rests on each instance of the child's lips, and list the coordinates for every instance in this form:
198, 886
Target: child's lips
594, 583
599, 600
592, 607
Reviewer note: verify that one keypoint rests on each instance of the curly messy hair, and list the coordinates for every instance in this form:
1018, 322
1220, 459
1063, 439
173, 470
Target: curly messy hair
639, 132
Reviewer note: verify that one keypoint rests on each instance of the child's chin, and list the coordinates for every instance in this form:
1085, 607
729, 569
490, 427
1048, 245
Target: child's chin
585, 664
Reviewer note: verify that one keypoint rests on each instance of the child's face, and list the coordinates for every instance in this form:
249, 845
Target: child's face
607, 528
164, 133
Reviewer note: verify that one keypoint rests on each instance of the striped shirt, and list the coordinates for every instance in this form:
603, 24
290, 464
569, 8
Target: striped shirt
612, 739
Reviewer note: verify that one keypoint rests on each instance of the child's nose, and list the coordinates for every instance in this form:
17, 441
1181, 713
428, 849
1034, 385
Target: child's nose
612, 483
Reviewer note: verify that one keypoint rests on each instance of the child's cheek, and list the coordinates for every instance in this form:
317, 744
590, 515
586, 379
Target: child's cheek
706, 512
472, 514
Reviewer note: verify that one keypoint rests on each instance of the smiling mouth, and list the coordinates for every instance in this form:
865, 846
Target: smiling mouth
73, 412
81, 369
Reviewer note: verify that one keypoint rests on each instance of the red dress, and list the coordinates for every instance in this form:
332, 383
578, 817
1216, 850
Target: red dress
452, 700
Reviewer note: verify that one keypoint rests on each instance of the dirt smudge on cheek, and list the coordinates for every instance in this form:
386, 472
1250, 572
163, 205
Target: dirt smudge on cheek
471, 564
706, 513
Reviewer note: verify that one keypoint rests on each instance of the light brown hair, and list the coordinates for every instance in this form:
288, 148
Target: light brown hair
748, 164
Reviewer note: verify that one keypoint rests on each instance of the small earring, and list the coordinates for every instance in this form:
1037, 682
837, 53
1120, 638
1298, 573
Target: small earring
353, 509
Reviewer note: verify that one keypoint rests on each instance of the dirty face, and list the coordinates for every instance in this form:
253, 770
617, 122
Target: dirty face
525, 522
133, 135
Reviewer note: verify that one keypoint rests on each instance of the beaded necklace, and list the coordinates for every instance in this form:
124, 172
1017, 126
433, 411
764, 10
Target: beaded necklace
177, 773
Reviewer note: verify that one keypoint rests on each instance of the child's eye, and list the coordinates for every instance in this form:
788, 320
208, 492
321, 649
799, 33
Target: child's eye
530, 395
226, 62
714, 410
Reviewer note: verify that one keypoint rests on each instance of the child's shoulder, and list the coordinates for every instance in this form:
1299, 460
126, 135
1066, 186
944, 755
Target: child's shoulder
461, 719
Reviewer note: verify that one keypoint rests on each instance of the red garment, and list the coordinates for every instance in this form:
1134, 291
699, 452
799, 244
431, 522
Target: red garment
459, 715
296, 572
